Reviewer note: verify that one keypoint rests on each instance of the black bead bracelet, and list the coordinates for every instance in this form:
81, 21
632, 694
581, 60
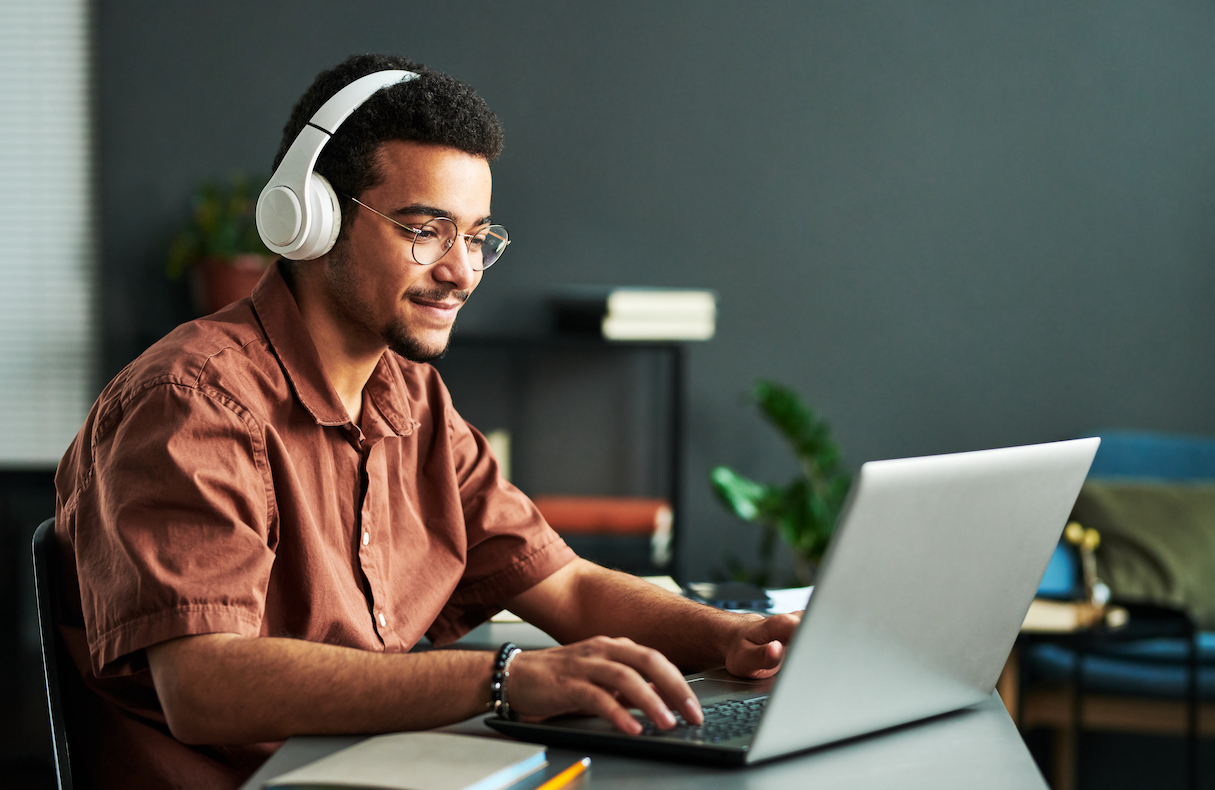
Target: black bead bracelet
497, 684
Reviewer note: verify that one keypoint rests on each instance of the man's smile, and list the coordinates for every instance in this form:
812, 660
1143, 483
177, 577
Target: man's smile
441, 302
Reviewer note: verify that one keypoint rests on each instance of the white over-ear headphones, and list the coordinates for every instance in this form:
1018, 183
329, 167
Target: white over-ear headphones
297, 212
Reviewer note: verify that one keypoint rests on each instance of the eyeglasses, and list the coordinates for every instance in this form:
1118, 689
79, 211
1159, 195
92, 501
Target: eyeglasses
436, 236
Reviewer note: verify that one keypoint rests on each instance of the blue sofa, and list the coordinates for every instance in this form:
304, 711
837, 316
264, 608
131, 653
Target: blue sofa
1152, 497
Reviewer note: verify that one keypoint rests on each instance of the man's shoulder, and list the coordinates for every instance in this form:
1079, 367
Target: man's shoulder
225, 354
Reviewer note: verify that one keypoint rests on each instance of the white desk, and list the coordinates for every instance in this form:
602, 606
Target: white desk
974, 747
491, 635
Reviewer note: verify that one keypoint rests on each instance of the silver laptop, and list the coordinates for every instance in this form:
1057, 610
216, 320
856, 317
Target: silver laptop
920, 597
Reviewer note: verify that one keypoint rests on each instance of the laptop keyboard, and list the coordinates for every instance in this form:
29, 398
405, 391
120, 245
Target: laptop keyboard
723, 722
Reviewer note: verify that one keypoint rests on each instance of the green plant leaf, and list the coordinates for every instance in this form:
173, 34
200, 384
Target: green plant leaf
741, 495
809, 436
803, 512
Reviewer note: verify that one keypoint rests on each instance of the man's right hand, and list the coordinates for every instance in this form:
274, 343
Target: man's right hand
225, 688
602, 676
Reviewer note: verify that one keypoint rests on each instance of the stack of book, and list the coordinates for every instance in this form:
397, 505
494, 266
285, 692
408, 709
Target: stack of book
591, 515
636, 313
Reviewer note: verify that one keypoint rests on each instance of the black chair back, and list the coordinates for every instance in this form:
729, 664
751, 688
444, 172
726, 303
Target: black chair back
54, 651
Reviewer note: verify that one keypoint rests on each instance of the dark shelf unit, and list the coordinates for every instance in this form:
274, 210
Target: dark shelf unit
540, 384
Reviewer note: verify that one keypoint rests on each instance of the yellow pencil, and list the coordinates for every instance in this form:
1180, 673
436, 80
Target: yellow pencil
566, 776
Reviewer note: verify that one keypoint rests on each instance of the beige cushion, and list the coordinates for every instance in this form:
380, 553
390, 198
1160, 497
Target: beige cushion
1157, 542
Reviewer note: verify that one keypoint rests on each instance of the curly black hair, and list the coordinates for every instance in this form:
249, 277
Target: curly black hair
434, 108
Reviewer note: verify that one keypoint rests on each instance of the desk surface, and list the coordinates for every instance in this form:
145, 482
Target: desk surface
973, 747
491, 635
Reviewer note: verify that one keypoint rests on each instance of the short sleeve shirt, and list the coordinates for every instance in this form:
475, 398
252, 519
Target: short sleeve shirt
218, 485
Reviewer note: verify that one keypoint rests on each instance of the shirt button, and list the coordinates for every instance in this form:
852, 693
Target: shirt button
383, 620
366, 538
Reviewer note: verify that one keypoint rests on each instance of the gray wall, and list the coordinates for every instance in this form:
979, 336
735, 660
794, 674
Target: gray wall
950, 225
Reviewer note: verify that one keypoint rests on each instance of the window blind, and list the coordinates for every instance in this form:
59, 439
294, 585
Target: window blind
47, 251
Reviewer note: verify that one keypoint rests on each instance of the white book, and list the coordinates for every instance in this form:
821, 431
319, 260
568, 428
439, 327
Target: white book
420, 761
615, 328
662, 302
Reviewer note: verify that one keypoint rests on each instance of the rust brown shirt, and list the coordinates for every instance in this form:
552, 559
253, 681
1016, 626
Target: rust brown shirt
218, 485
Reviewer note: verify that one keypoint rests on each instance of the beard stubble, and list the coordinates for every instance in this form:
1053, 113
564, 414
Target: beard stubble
344, 292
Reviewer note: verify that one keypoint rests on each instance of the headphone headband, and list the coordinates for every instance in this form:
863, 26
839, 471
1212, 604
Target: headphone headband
297, 211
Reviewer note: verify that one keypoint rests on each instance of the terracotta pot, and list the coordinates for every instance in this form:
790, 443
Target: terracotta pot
218, 283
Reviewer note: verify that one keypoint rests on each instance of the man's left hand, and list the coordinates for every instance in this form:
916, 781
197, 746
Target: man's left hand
759, 645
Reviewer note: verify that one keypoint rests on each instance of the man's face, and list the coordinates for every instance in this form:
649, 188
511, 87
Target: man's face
377, 291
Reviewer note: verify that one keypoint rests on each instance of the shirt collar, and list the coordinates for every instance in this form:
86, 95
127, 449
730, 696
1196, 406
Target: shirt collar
288, 335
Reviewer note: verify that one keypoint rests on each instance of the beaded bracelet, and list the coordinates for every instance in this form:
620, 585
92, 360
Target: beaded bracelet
497, 684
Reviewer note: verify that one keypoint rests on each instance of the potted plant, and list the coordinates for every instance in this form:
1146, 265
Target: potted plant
803, 512
220, 246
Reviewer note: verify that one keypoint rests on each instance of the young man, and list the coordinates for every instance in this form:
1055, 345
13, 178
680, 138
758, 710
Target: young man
267, 509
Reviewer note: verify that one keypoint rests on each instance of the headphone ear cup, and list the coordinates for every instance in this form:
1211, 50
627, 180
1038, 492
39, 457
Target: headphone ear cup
326, 220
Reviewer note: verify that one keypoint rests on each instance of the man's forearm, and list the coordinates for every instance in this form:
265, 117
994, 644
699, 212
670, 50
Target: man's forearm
222, 688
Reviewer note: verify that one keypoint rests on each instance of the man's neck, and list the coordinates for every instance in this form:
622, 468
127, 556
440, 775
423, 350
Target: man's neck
348, 358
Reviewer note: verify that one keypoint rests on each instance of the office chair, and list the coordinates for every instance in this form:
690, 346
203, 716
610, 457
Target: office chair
54, 651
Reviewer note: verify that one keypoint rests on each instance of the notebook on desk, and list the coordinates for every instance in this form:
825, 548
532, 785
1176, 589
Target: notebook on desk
921, 594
